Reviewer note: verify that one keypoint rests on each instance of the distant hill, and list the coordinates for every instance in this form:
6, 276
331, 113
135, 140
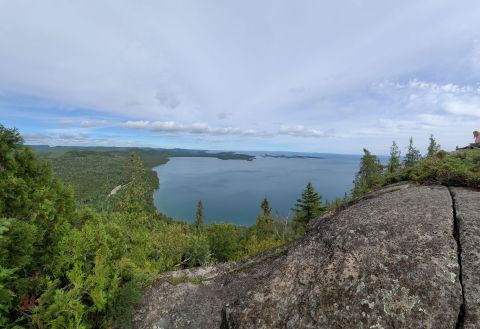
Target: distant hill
95, 171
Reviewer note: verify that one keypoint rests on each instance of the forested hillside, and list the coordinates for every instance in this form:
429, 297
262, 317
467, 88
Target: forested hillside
94, 172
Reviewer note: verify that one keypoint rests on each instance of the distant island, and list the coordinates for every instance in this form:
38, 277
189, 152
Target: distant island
292, 156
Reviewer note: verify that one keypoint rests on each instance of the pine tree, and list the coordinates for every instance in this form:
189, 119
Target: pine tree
412, 156
433, 147
264, 226
199, 215
308, 207
265, 205
394, 161
369, 175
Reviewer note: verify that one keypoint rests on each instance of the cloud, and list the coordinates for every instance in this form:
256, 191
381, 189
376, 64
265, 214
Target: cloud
66, 122
224, 115
184, 61
429, 97
301, 131
194, 128
296, 90
82, 123
64, 139
167, 99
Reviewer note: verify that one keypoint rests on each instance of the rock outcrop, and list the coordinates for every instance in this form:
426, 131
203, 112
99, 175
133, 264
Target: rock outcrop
402, 257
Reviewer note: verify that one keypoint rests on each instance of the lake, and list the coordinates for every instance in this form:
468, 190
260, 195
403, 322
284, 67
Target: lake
231, 190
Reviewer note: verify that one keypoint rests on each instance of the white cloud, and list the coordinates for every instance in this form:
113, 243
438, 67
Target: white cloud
194, 128
428, 97
301, 131
168, 64
87, 123
54, 139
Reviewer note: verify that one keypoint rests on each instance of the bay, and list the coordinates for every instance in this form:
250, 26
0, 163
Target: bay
231, 190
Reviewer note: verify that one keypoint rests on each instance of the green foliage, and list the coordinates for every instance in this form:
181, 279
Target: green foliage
433, 147
264, 226
199, 216
412, 156
67, 268
265, 205
224, 241
461, 168
94, 172
134, 195
308, 207
394, 162
197, 251
256, 245
369, 175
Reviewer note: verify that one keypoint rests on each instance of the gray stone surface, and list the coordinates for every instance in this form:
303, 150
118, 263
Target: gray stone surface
387, 261
467, 205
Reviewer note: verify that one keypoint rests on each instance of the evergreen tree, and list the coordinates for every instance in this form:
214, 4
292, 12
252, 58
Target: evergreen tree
199, 216
308, 207
394, 161
134, 196
265, 225
369, 175
412, 156
433, 147
35, 212
265, 205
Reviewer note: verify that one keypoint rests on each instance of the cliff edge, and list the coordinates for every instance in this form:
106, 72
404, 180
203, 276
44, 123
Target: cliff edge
402, 257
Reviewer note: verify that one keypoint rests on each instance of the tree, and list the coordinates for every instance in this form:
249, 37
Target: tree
433, 147
35, 212
394, 161
134, 196
264, 226
199, 216
224, 241
265, 205
308, 207
369, 175
412, 156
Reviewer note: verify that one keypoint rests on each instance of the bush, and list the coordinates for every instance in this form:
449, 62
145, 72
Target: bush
197, 251
224, 241
461, 168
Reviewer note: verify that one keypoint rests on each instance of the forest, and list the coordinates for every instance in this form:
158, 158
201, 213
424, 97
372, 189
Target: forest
71, 256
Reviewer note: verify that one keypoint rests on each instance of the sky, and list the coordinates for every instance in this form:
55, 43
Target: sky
306, 76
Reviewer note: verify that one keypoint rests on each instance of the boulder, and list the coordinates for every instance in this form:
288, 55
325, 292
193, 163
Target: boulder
388, 260
467, 213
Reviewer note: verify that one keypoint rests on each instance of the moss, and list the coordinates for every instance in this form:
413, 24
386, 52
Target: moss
398, 301
261, 260
196, 280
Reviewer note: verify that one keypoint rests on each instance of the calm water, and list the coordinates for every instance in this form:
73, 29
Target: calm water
231, 190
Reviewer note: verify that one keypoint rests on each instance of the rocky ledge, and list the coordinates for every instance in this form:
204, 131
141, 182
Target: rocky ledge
402, 257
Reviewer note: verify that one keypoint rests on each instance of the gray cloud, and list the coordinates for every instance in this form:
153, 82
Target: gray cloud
167, 99
224, 115
296, 90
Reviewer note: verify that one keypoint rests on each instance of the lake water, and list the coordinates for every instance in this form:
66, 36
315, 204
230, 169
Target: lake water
231, 190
